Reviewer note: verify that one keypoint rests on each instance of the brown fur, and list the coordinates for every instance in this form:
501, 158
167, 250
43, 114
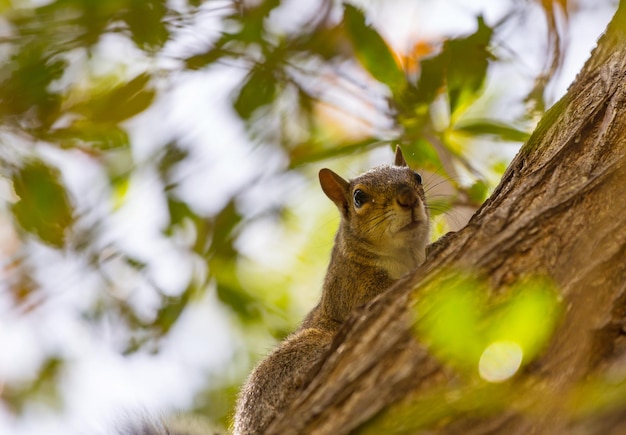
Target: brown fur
377, 242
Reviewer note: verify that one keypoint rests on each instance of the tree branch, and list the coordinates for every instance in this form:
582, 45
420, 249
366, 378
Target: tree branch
559, 212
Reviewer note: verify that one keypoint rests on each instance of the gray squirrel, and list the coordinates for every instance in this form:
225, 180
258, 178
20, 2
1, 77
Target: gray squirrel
383, 234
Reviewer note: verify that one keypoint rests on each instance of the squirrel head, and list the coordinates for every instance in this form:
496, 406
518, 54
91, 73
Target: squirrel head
383, 212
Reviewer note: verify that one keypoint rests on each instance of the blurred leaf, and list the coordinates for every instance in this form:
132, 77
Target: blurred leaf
246, 307
468, 59
44, 208
530, 299
372, 51
440, 206
420, 154
425, 412
306, 153
217, 402
215, 52
459, 68
145, 19
478, 192
199, 61
224, 225
328, 42
173, 155
170, 311
30, 72
84, 132
259, 90
451, 320
121, 103
22, 285
44, 388
252, 20
66, 24
464, 324
598, 395
121, 186
135, 263
500, 130
179, 211
431, 81
222, 262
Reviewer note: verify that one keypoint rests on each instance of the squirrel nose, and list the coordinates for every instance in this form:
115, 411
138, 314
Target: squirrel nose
407, 198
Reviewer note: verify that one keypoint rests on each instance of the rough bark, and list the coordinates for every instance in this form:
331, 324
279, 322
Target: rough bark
560, 212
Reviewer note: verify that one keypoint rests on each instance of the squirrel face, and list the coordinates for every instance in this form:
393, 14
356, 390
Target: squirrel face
383, 212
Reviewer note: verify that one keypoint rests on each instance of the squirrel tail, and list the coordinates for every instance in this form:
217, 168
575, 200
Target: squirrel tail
175, 425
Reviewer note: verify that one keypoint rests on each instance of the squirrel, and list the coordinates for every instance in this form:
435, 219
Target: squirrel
382, 235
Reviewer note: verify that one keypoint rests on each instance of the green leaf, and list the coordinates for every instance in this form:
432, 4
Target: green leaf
5, 5
26, 91
372, 51
247, 307
170, 311
43, 390
214, 53
469, 327
224, 227
145, 19
123, 102
179, 211
252, 19
327, 42
468, 60
44, 207
451, 320
97, 136
173, 155
498, 129
478, 192
306, 152
422, 154
460, 68
259, 90
199, 61
440, 206
432, 79
531, 299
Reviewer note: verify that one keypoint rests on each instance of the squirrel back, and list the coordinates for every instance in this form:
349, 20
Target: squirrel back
382, 235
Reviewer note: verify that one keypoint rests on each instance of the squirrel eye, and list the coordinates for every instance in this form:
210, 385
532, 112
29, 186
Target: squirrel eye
418, 178
360, 198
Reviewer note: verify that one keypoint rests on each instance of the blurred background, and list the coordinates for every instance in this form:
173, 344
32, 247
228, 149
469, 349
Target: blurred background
161, 225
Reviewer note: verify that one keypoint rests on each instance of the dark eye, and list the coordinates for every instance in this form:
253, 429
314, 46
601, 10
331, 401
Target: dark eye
418, 178
360, 198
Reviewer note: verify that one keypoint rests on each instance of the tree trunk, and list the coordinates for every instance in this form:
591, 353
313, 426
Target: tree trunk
559, 212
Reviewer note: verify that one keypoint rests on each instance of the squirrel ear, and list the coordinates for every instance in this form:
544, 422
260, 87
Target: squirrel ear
335, 187
399, 157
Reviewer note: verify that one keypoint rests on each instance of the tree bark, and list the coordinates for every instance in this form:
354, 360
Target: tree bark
559, 212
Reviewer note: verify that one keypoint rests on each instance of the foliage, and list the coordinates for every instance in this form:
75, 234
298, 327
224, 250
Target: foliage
492, 337
58, 103
486, 338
